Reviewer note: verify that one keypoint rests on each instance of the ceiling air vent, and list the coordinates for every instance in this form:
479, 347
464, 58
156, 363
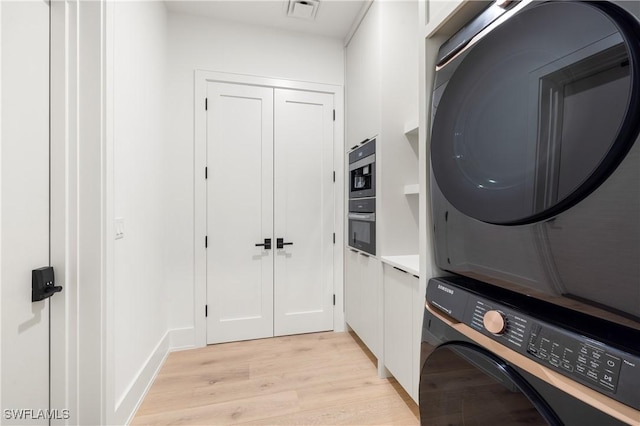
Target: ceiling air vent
303, 9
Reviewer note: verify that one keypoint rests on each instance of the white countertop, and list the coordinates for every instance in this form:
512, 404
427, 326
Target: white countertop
409, 263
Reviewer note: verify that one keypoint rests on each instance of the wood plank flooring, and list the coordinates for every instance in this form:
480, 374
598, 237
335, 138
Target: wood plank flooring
322, 378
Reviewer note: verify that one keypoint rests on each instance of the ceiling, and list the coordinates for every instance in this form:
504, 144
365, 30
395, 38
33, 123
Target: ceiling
334, 18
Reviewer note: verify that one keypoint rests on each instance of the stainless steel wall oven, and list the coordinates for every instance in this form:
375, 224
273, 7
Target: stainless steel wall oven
362, 170
362, 224
362, 201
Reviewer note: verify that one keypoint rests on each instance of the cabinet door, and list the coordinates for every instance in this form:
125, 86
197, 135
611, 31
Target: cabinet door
419, 291
363, 75
352, 302
439, 11
398, 325
239, 212
370, 299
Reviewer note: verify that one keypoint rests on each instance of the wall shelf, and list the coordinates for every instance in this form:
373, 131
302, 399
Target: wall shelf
411, 128
413, 189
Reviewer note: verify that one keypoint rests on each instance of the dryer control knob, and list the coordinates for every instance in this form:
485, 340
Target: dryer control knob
494, 322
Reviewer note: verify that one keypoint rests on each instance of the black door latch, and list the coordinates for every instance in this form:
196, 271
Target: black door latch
266, 244
280, 243
43, 284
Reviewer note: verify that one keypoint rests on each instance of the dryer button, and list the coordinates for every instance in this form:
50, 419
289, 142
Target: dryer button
494, 322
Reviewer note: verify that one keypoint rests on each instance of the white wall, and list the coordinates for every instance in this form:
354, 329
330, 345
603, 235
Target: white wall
140, 309
208, 44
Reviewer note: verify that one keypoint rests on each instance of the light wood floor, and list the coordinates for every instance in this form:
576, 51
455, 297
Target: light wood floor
323, 378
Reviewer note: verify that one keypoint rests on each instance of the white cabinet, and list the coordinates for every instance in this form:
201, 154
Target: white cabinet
447, 16
362, 298
399, 287
439, 11
381, 95
352, 289
403, 312
399, 148
363, 80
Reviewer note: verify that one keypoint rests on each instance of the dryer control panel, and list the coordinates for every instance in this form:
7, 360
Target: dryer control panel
603, 368
590, 361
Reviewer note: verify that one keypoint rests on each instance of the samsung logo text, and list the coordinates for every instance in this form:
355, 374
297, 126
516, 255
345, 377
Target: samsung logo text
445, 289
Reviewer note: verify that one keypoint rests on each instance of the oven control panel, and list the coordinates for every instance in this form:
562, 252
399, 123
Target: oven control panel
605, 369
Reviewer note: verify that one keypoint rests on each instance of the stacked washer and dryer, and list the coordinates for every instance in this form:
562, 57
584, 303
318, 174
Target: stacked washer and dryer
535, 197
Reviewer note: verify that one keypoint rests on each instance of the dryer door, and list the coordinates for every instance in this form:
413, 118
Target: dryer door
538, 113
463, 384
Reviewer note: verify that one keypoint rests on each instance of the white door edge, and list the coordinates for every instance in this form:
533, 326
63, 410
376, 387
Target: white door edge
79, 354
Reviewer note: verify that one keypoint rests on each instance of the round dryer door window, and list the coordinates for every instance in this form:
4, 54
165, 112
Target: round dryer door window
538, 113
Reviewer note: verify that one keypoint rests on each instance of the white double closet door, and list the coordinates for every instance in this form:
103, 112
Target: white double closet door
270, 177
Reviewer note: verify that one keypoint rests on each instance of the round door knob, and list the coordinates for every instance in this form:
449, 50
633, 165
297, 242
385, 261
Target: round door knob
494, 322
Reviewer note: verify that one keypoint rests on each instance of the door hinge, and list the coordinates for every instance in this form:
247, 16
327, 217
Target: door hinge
206, 242
206, 104
334, 115
334, 300
334, 238
206, 310
206, 173
334, 175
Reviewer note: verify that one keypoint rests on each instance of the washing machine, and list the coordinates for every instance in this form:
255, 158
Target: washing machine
491, 356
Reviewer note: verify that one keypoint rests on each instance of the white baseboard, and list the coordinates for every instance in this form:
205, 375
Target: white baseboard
129, 403
182, 338
173, 340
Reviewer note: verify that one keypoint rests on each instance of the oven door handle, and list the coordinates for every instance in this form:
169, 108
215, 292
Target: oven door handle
366, 217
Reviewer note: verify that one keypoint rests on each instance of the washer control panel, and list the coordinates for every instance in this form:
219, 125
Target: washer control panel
605, 369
